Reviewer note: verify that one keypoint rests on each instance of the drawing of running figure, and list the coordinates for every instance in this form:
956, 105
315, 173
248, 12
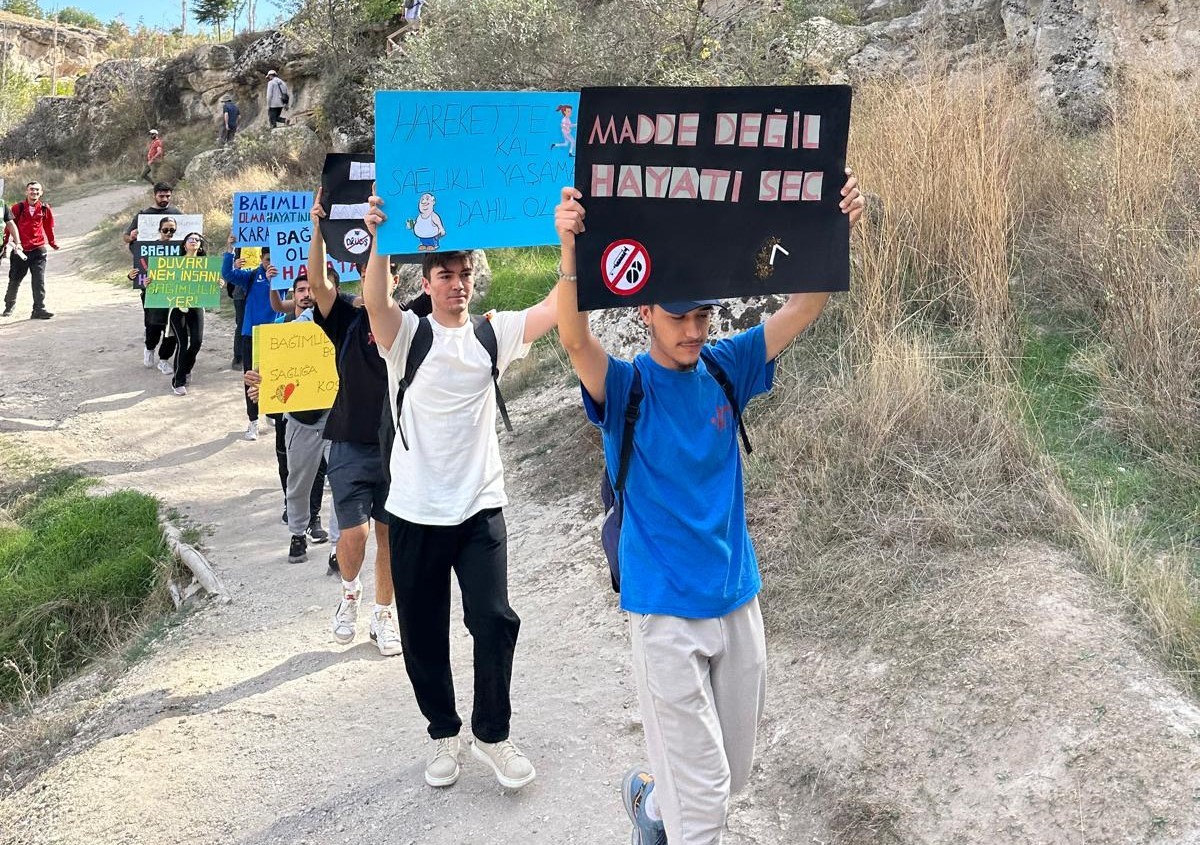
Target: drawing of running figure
568, 130
428, 224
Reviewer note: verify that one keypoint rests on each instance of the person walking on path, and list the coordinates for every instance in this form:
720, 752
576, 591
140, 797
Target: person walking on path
689, 577
154, 154
35, 230
186, 325
154, 320
356, 472
230, 115
257, 284
446, 500
278, 98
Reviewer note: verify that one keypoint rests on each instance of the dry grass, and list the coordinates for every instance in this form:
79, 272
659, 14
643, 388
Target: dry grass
61, 184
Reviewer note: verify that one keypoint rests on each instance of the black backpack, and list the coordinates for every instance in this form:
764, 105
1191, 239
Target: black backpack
422, 341
612, 492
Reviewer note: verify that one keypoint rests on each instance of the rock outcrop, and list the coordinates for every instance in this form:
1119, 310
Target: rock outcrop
1075, 50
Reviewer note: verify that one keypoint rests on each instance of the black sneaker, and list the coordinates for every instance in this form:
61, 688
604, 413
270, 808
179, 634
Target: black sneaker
316, 533
334, 569
41, 315
7, 311
298, 550
283, 518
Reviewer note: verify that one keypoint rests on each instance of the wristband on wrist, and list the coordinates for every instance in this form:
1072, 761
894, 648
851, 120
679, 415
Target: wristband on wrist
570, 277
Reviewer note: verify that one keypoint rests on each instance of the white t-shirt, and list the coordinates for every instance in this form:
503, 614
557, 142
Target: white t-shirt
451, 469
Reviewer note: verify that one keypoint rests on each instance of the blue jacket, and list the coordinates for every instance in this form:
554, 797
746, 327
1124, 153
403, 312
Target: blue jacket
258, 294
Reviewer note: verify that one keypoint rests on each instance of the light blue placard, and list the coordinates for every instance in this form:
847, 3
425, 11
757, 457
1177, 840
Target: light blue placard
346, 271
289, 251
471, 170
255, 213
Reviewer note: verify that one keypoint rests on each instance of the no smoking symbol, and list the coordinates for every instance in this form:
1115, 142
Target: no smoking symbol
626, 267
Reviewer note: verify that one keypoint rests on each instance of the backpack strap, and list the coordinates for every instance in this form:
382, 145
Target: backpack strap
421, 343
714, 369
485, 333
632, 410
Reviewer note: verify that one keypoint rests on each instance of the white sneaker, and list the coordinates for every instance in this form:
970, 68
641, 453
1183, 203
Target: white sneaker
148, 358
251, 431
384, 634
164, 367
181, 391
442, 768
512, 768
345, 618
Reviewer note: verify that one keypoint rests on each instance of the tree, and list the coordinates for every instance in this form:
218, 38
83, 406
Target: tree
213, 12
28, 8
71, 16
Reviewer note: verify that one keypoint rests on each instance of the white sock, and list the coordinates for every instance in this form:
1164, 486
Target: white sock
379, 608
351, 586
651, 807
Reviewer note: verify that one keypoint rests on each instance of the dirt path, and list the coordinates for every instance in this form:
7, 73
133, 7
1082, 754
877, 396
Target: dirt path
1022, 711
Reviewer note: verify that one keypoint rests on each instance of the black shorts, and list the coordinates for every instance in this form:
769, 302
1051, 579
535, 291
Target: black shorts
356, 479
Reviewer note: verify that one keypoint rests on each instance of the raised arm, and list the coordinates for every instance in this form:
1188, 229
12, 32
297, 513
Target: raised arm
282, 306
587, 355
383, 311
324, 292
542, 317
801, 309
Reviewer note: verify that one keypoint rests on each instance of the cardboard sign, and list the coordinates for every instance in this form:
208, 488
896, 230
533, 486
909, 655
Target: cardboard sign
251, 255
184, 282
155, 226
346, 271
289, 251
297, 365
145, 251
346, 183
253, 213
698, 193
471, 170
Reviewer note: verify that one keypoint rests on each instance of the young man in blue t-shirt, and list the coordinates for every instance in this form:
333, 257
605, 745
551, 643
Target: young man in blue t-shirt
689, 576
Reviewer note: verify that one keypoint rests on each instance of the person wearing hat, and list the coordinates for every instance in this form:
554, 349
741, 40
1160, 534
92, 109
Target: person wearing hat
278, 97
154, 154
230, 114
689, 576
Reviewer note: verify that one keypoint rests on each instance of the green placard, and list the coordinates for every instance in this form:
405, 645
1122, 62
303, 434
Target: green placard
184, 281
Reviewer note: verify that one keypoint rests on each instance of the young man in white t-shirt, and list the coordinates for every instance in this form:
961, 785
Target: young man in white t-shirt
446, 502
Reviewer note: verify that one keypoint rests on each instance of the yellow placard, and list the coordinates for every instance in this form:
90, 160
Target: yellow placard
297, 365
252, 255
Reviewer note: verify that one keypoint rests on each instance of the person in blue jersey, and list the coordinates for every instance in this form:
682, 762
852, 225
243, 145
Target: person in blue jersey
257, 284
689, 576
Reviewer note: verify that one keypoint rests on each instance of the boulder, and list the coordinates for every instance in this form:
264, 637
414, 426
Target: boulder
39, 48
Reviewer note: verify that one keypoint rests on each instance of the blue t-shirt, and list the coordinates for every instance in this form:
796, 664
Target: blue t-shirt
234, 113
685, 550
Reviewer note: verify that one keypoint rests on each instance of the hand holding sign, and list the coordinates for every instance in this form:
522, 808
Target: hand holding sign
568, 218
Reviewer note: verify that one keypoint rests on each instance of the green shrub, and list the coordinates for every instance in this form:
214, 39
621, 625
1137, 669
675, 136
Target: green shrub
75, 574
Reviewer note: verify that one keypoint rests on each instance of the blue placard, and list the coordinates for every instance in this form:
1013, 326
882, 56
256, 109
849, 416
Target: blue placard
255, 213
289, 251
471, 169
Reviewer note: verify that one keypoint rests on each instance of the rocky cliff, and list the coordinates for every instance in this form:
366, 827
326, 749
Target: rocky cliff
39, 48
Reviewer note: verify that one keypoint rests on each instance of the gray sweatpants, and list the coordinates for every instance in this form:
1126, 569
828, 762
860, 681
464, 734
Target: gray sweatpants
306, 445
701, 685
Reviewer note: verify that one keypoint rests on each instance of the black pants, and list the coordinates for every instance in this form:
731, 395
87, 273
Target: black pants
318, 487
273, 115
34, 264
422, 558
155, 321
248, 364
187, 327
239, 314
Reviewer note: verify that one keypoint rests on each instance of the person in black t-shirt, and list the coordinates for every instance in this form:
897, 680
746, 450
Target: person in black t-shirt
356, 471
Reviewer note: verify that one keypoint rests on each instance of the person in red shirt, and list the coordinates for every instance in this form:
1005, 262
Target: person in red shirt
35, 225
154, 153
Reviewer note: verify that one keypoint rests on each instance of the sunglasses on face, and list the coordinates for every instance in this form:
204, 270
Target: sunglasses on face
167, 231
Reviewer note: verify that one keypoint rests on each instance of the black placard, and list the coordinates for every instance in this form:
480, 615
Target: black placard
145, 250
698, 193
346, 187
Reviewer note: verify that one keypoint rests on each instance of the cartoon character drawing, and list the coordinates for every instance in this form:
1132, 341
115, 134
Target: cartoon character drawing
568, 130
428, 225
